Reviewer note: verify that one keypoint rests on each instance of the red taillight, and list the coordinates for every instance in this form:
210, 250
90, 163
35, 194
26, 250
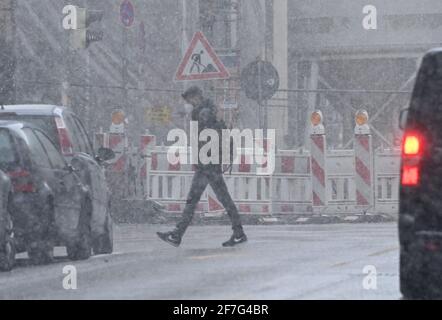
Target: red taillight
63, 136
410, 175
411, 155
412, 145
21, 181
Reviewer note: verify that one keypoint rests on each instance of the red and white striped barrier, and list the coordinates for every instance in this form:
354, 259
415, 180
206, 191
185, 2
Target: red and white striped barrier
363, 160
118, 143
363, 165
317, 160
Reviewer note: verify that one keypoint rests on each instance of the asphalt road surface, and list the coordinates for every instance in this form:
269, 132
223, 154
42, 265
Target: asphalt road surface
278, 262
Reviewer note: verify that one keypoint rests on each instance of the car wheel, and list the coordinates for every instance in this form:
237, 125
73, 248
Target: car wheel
41, 252
104, 243
82, 248
7, 250
411, 284
39, 245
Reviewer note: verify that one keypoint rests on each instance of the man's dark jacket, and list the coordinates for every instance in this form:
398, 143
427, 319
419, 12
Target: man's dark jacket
206, 116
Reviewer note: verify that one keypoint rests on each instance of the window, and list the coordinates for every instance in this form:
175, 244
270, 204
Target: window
55, 157
84, 137
77, 144
8, 153
38, 154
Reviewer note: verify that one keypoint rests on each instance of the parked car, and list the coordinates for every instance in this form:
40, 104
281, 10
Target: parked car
71, 139
420, 216
7, 244
49, 205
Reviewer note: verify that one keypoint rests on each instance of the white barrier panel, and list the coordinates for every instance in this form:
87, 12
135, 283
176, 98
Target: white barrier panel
291, 183
364, 170
318, 174
170, 183
287, 191
387, 179
340, 181
101, 140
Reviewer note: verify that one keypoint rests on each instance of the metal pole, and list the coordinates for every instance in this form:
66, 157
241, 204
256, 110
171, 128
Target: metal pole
266, 117
260, 95
184, 43
88, 91
124, 69
88, 81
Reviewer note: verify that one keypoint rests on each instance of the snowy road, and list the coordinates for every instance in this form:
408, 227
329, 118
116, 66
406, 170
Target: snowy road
279, 262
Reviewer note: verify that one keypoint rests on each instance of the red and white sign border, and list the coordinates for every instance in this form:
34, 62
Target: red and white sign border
223, 72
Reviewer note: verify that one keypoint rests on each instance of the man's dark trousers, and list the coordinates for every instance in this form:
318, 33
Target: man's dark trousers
213, 175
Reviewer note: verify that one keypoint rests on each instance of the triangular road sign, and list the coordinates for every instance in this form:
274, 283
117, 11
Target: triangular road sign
201, 62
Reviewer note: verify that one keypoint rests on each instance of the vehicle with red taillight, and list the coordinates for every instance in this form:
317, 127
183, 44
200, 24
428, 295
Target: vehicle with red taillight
420, 208
71, 139
7, 242
48, 204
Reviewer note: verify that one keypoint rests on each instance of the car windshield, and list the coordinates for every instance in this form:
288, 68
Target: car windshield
8, 154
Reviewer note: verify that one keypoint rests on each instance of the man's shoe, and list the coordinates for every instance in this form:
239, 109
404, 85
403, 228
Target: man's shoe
235, 240
170, 237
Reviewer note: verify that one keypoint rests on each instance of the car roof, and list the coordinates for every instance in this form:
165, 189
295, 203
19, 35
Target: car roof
33, 109
435, 51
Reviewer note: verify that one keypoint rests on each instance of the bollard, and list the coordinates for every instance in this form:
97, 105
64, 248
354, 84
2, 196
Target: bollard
363, 161
317, 162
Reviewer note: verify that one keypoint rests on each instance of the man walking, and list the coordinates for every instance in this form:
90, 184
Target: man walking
204, 111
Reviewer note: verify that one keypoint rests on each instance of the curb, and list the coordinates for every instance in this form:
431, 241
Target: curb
150, 212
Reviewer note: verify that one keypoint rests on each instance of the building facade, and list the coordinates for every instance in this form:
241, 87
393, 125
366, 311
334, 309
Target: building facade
343, 66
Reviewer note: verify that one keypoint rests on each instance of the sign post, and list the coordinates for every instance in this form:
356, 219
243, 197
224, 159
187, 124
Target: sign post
260, 80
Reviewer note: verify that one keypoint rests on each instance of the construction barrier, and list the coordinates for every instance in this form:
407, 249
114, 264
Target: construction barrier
318, 163
315, 181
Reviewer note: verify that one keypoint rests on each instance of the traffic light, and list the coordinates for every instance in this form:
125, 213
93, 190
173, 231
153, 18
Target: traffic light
78, 20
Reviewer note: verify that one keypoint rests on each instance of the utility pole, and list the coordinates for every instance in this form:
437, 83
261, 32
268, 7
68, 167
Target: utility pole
78, 22
184, 44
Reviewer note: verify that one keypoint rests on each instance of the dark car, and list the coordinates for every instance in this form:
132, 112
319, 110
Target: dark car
420, 216
71, 139
7, 244
48, 204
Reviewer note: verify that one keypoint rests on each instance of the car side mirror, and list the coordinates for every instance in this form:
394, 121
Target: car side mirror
403, 116
105, 154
